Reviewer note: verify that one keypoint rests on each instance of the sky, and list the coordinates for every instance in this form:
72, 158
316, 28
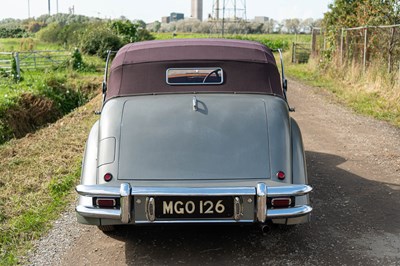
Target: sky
151, 10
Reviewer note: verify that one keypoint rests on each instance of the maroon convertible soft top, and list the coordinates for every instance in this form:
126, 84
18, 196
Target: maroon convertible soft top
140, 68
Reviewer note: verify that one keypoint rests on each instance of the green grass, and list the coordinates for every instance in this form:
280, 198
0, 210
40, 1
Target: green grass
39, 173
33, 222
26, 44
376, 98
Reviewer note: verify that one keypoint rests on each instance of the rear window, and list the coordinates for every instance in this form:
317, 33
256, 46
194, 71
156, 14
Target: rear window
195, 76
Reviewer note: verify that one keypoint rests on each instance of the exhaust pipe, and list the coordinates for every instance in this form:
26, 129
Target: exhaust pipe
265, 228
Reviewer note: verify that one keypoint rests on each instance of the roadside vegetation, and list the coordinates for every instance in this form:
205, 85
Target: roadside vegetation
39, 172
375, 90
44, 95
373, 93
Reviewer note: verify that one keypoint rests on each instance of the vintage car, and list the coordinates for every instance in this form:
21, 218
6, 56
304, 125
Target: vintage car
194, 131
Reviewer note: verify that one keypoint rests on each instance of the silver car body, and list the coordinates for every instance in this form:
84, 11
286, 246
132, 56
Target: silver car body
161, 148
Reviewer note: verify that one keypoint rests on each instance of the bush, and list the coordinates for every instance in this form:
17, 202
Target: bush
51, 33
96, 39
76, 60
61, 34
57, 89
12, 32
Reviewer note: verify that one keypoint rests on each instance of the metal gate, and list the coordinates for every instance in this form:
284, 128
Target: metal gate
301, 52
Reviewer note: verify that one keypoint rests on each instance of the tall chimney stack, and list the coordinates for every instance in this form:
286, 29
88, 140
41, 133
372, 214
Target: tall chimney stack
197, 9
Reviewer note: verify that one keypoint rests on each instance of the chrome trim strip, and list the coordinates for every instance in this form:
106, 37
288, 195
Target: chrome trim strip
237, 208
289, 212
261, 202
294, 190
98, 213
150, 209
108, 191
98, 191
192, 191
126, 202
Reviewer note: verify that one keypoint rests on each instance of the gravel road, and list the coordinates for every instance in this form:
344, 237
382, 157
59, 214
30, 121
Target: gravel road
354, 167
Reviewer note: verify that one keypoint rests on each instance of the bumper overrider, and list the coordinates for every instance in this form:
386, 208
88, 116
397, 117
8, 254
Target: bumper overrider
137, 205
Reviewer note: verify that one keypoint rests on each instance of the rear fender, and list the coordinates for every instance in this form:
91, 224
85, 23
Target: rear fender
299, 168
89, 163
89, 171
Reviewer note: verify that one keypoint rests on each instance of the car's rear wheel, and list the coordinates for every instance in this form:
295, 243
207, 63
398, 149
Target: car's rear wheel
106, 228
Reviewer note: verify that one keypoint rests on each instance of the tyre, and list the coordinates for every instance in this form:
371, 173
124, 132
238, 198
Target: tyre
106, 228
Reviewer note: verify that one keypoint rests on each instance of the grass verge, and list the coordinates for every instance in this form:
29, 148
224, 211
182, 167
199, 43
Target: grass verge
39, 172
41, 98
373, 93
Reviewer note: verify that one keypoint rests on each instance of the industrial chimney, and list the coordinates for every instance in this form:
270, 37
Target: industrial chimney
197, 9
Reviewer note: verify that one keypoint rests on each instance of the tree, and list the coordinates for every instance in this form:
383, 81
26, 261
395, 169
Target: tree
269, 26
306, 25
292, 25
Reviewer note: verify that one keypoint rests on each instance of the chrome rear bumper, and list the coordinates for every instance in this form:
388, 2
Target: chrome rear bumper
256, 196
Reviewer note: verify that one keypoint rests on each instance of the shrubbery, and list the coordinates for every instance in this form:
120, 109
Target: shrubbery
97, 38
12, 32
94, 37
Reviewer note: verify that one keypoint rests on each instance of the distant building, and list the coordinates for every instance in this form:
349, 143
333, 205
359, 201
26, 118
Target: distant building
261, 19
165, 19
176, 17
197, 9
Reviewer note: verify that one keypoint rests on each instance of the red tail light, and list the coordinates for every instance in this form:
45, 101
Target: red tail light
106, 202
281, 202
108, 177
280, 175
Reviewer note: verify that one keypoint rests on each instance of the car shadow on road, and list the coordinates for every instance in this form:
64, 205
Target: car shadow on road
346, 207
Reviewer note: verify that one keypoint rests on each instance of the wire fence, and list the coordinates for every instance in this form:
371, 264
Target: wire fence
364, 46
300, 52
6, 59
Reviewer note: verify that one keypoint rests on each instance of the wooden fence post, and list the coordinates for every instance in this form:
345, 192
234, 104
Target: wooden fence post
293, 52
17, 65
313, 42
365, 48
391, 47
341, 46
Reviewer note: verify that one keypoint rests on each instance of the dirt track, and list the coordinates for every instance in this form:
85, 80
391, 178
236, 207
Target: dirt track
354, 167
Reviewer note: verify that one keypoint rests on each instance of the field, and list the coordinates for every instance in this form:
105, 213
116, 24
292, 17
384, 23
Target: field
274, 41
25, 44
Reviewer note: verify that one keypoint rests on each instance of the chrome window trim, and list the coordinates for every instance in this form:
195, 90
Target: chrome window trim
194, 68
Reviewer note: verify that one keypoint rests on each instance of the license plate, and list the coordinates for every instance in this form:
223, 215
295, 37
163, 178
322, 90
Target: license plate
193, 207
